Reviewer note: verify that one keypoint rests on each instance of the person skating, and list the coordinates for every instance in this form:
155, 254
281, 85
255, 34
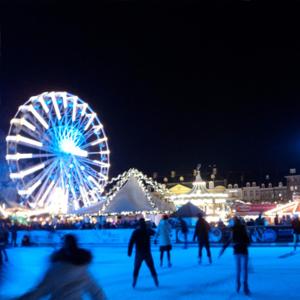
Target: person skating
141, 239
184, 229
68, 277
4, 234
296, 230
240, 240
163, 233
202, 234
14, 233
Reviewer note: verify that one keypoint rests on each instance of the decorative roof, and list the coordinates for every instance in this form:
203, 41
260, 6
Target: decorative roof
130, 198
199, 186
179, 189
199, 191
134, 192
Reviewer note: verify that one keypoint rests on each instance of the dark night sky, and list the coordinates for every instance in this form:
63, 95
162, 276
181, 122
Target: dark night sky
175, 83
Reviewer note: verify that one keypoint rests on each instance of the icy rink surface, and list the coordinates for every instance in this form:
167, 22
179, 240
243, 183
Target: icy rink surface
270, 277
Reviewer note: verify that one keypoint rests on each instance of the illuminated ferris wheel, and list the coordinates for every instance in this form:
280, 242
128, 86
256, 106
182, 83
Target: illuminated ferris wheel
57, 152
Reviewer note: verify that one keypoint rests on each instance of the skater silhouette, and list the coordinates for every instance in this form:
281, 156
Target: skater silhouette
240, 240
141, 239
4, 234
201, 233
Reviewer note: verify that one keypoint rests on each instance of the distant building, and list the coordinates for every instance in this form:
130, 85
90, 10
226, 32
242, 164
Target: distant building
264, 193
293, 185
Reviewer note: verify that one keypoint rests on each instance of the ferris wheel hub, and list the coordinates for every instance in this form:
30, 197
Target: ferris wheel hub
69, 147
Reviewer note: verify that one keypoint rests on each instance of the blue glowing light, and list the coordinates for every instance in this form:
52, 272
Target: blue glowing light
56, 147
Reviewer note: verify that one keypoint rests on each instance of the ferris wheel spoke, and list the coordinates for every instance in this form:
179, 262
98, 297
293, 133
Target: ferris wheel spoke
33, 184
24, 140
95, 183
42, 175
39, 128
66, 121
31, 170
93, 194
22, 122
74, 111
92, 180
80, 122
92, 131
90, 117
81, 188
43, 103
84, 186
19, 156
95, 142
77, 176
31, 109
48, 149
55, 105
97, 163
47, 186
44, 201
90, 171
28, 191
31, 135
101, 152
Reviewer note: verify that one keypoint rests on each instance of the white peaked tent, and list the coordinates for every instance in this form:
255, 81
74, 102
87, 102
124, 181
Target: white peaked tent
130, 198
130, 194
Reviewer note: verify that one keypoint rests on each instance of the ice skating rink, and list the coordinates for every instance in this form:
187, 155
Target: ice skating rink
270, 277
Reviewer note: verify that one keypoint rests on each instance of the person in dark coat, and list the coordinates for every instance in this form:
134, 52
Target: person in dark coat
68, 277
276, 220
4, 234
296, 230
240, 240
184, 229
25, 241
202, 234
141, 239
14, 230
260, 221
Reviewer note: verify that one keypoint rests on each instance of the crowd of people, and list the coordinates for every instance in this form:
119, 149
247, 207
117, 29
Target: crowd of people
68, 276
285, 220
141, 238
72, 261
82, 224
88, 222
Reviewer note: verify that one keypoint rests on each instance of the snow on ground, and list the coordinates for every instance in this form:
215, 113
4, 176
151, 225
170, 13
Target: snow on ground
270, 276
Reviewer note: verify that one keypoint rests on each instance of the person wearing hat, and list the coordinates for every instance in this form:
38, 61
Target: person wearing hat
163, 233
141, 238
202, 234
